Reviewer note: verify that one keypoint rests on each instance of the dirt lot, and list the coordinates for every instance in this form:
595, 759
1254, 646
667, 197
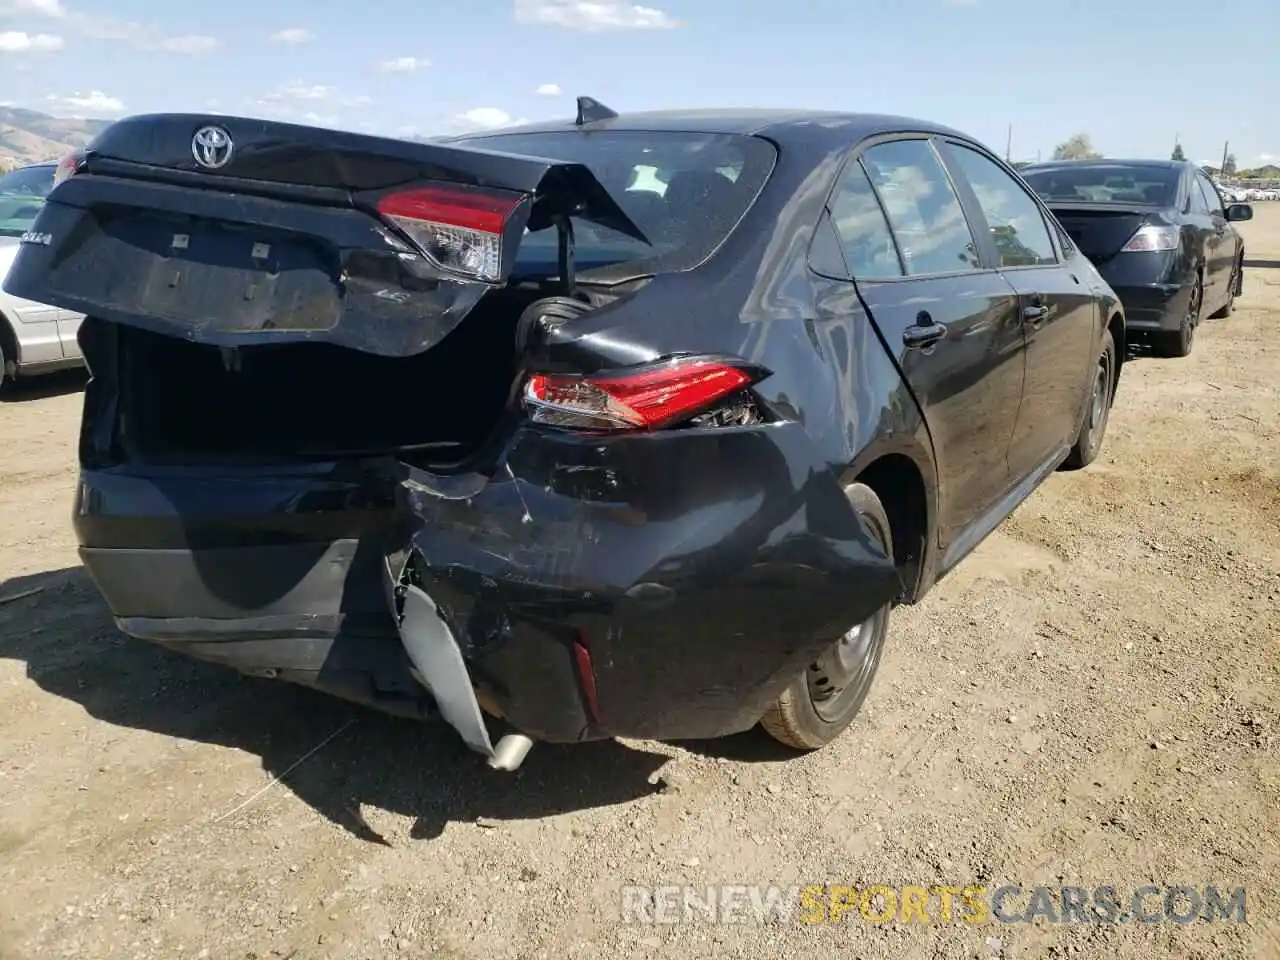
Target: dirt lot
1091, 699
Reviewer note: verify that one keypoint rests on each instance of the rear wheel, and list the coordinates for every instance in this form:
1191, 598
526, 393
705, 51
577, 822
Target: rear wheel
820, 704
1102, 391
1178, 343
1233, 291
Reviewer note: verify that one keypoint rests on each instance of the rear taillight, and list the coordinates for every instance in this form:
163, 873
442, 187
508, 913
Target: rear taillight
68, 167
1151, 238
458, 228
645, 399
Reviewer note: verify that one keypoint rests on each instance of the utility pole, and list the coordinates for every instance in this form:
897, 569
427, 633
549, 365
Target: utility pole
1222, 170
1008, 146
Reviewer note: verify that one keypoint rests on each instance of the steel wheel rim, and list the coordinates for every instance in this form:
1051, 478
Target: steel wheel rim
840, 676
1098, 406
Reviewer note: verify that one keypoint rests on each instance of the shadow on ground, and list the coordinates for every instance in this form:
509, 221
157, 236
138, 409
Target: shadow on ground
56, 623
1262, 264
45, 386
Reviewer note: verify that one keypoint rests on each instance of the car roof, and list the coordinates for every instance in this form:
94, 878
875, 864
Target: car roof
1112, 162
773, 123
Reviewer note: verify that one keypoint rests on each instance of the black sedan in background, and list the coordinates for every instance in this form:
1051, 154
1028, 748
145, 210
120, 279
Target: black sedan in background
1160, 234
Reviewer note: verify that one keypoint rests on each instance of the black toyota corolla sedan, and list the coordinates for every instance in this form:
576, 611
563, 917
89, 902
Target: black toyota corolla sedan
1159, 232
619, 426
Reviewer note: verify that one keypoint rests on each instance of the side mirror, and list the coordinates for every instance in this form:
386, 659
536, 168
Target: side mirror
1239, 211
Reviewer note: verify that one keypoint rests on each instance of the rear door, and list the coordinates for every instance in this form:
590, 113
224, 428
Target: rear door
949, 319
1058, 313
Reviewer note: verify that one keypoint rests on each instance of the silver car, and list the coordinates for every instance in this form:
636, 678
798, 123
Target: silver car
34, 338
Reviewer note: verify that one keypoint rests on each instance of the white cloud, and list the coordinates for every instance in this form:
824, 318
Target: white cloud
13, 41
44, 8
140, 35
1264, 157
549, 90
95, 101
298, 91
593, 16
485, 118
292, 36
403, 65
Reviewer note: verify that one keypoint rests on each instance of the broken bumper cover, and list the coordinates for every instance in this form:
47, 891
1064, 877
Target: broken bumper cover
665, 586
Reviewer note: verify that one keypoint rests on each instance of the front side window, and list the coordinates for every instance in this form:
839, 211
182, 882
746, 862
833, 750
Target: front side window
1211, 195
1017, 227
923, 209
869, 250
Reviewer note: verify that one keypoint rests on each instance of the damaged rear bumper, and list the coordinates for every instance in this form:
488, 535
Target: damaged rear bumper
665, 586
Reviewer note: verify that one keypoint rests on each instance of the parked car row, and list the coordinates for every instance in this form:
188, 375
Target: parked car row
630, 426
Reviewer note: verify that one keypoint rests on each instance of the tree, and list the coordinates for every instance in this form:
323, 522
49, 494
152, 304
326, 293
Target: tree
1210, 172
1078, 147
1177, 153
1229, 166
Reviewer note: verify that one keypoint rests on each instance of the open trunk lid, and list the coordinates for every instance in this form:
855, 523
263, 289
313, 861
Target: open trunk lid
233, 231
1100, 230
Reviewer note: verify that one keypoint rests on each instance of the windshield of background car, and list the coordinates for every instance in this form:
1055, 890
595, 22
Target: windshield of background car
685, 191
1106, 183
22, 194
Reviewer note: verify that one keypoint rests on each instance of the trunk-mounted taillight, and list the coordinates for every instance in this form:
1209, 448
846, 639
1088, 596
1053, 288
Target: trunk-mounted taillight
68, 167
458, 228
647, 398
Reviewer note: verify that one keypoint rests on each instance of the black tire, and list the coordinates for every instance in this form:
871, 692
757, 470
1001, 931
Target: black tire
1228, 308
1178, 343
1093, 428
795, 719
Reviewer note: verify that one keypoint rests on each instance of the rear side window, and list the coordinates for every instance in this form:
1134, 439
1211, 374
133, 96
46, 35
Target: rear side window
924, 212
1017, 226
1199, 202
685, 191
869, 249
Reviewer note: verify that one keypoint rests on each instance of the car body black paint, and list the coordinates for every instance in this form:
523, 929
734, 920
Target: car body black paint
702, 568
1155, 286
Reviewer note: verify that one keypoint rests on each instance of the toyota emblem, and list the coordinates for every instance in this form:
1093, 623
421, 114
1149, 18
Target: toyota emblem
212, 146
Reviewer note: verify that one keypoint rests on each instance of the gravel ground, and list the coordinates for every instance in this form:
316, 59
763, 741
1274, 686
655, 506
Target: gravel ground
1091, 698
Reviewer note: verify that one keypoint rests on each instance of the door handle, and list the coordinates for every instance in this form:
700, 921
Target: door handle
923, 333
1035, 313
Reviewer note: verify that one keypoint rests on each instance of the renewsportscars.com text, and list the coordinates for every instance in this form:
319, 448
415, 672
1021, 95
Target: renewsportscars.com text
937, 903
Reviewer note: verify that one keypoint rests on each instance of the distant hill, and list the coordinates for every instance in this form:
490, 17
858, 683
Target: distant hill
28, 136
1269, 172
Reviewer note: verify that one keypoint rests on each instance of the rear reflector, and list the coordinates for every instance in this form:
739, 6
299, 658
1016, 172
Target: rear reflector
648, 399
458, 228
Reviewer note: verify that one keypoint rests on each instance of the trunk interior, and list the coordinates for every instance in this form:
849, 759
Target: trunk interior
183, 402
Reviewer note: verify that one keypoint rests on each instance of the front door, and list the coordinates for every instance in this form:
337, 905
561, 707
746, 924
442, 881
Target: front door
951, 321
1220, 249
1058, 313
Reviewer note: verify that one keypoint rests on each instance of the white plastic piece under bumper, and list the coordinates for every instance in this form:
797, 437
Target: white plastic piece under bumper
439, 666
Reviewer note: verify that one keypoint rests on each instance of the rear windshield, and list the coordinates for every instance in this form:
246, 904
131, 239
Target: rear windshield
1106, 183
685, 191
22, 194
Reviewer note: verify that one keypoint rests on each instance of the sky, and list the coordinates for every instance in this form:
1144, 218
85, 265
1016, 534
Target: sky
1133, 74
